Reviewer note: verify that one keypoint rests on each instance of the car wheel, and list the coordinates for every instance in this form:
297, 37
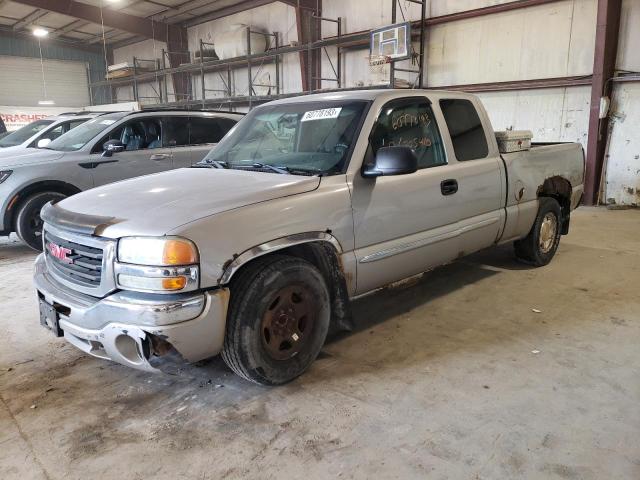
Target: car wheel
278, 319
28, 221
539, 247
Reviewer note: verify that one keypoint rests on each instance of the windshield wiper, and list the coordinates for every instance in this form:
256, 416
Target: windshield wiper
211, 164
273, 168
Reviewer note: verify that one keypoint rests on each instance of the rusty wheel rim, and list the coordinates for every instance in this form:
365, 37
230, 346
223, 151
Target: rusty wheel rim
288, 322
548, 231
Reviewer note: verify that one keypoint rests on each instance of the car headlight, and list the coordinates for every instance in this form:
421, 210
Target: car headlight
4, 174
157, 264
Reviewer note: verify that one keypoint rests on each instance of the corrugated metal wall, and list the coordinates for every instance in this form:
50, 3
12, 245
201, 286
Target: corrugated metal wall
21, 46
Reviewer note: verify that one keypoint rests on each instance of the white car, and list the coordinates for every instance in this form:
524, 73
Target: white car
40, 133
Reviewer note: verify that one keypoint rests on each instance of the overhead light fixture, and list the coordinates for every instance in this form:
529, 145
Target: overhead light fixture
46, 102
40, 32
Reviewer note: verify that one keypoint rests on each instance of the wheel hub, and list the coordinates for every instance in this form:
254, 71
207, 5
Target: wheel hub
288, 321
548, 232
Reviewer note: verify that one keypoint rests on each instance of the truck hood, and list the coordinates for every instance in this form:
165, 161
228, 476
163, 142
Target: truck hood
156, 204
26, 156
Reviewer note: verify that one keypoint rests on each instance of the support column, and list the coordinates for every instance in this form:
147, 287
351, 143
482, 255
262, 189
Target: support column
309, 30
604, 63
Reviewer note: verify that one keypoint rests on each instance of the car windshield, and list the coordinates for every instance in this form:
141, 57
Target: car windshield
23, 134
300, 138
78, 137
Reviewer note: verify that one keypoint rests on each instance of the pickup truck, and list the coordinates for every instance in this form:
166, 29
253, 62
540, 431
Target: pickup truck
307, 203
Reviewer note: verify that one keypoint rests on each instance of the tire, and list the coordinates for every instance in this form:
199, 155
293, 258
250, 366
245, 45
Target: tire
278, 319
541, 244
28, 222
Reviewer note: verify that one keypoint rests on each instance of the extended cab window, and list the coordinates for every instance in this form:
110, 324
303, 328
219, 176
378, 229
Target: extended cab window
409, 122
465, 128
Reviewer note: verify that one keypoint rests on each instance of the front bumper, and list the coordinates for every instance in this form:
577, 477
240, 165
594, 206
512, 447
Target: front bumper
130, 328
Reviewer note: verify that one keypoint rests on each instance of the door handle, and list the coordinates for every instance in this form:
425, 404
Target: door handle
90, 165
449, 187
160, 156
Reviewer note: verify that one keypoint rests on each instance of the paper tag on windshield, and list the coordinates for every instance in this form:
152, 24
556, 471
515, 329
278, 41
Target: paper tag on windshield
321, 114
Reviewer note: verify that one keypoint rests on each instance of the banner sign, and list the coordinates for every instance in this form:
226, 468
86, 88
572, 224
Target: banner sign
17, 117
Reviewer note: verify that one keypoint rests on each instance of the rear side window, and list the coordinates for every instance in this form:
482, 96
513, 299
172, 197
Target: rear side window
205, 130
175, 131
465, 128
409, 122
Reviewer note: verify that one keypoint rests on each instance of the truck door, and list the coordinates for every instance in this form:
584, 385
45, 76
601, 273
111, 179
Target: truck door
479, 201
144, 153
404, 224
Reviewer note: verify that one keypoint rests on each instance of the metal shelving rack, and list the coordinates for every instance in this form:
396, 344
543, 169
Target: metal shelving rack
250, 61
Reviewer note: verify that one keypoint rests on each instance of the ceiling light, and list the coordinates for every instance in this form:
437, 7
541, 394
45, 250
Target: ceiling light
40, 32
46, 102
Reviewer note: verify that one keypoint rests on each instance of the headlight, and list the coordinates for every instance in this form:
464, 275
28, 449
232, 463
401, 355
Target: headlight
160, 265
159, 252
4, 174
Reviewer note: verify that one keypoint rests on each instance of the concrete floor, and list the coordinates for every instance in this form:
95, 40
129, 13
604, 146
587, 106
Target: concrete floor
452, 377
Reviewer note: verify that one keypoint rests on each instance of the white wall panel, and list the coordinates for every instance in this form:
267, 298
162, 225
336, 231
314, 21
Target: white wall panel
552, 40
623, 163
552, 114
21, 82
629, 40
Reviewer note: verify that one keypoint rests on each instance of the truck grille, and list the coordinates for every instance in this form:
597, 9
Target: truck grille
77, 263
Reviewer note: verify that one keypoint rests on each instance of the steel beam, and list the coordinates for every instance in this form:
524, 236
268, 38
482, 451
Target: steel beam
604, 63
111, 18
558, 82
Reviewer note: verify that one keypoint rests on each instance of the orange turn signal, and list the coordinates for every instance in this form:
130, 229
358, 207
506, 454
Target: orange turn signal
179, 252
175, 283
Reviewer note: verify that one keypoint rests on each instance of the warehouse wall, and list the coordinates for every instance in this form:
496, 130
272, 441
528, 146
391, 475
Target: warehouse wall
22, 46
623, 160
552, 40
275, 17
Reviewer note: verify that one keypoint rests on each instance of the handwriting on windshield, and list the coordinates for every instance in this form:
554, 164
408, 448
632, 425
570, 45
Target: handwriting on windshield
413, 143
408, 120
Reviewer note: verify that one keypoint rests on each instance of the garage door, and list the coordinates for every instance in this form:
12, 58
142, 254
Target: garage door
21, 82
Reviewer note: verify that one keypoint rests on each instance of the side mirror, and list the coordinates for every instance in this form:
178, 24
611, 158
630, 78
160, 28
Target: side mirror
43, 142
112, 146
391, 161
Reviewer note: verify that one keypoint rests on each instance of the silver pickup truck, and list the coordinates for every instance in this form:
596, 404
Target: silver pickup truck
305, 204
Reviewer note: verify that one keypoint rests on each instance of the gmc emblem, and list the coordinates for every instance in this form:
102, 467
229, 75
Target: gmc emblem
61, 253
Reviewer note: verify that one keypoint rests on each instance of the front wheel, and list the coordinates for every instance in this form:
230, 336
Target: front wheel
28, 221
278, 320
539, 247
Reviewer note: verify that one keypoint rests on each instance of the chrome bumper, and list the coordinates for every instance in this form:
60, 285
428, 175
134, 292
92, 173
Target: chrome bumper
125, 326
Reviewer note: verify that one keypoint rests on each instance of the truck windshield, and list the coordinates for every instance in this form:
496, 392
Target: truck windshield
305, 138
23, 134
78, 137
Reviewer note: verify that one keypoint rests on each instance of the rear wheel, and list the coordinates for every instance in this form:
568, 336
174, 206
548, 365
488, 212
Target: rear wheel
539, 247
278, 320
28, 221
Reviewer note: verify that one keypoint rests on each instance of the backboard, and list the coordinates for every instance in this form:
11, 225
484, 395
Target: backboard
392, 41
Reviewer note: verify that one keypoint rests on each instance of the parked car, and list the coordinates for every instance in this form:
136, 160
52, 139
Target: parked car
3, 129
105, 149
308, 202
40, 133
